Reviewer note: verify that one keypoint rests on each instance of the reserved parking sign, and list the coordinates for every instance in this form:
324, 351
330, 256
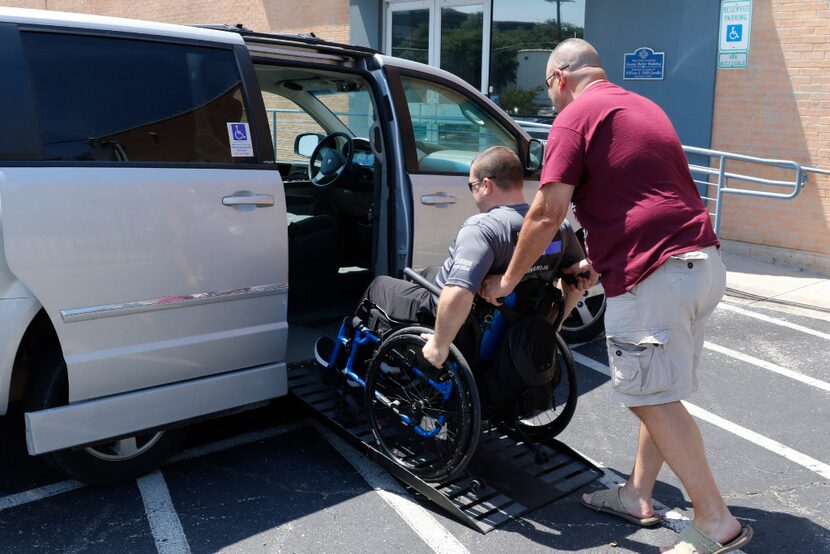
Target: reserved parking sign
733, 43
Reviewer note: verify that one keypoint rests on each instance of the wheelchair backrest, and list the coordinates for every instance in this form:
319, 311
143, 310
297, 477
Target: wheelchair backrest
533, 296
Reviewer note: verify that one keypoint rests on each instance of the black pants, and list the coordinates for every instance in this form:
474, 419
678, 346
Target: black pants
402, 300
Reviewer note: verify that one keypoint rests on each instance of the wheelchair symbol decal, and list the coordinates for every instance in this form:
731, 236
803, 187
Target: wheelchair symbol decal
239, 132
734, 33
240, 140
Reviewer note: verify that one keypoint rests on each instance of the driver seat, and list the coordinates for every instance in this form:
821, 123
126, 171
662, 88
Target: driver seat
312, 260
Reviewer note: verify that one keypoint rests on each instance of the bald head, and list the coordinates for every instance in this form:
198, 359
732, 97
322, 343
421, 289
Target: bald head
576, 54
573, 66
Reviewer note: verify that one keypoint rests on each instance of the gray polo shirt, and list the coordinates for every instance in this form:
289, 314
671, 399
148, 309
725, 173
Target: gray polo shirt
484, 245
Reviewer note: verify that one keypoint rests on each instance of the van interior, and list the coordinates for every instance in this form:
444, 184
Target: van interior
320, 126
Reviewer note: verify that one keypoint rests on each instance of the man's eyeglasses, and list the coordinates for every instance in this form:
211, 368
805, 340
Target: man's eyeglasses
472, 184
549, 78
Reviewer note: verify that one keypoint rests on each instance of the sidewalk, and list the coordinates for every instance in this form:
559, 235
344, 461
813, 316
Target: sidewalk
760, 280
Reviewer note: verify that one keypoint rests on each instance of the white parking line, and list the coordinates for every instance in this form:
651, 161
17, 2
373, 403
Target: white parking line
161, 514
768, 319
823, 385
776, 447
33, 495
39, 493
425, 526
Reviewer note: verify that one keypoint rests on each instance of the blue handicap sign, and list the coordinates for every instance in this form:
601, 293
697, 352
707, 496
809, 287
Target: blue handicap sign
238, 130
734, 33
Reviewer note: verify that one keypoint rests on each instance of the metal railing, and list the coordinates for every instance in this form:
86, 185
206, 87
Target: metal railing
723, 178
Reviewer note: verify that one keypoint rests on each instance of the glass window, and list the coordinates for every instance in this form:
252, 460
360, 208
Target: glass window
106, 100
410, 34
524, 33
302, 101
462, 29
287, 120
449, 128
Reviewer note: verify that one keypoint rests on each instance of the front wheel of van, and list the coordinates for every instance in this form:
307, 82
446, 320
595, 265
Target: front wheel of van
107, 462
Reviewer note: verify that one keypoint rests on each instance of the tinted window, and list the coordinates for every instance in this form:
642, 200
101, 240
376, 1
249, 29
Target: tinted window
104, 99
450, 128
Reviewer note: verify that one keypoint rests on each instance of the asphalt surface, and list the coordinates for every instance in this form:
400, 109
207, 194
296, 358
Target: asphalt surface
269, 480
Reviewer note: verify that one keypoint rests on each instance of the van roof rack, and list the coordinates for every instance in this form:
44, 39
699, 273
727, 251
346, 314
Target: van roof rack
309, 39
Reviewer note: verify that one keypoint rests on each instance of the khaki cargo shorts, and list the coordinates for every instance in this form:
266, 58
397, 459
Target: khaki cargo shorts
654, 332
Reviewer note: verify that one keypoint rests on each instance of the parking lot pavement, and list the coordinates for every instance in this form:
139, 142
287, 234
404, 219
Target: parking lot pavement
269, 480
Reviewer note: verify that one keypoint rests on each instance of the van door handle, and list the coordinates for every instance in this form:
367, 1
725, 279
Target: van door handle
247, 198
439, 199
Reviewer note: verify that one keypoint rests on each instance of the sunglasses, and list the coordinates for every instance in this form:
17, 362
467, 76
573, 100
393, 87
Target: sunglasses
549, 78
472, 184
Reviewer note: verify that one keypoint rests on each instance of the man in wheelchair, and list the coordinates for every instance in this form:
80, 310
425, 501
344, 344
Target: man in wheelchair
420, 394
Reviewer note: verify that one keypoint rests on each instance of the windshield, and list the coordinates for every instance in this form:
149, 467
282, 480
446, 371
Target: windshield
302, 101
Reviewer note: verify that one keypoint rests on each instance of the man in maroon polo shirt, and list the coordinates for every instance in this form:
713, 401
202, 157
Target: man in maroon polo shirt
617, 156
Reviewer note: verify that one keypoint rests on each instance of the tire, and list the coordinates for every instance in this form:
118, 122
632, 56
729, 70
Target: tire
586, 321
107, 462
441, 451
546, 424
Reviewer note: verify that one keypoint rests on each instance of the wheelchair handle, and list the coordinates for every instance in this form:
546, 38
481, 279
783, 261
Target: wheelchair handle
419, 279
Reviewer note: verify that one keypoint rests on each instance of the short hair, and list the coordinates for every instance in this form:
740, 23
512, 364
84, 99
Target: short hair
500, 164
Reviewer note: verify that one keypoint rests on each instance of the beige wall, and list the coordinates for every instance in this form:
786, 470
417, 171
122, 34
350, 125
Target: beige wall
328, 19
779, 107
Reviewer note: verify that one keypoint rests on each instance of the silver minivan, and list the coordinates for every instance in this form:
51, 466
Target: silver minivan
183, 209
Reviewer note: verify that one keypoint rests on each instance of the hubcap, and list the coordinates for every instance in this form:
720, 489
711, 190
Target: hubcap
126, 448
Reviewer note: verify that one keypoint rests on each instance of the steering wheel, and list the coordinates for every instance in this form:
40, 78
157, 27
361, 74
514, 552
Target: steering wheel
331, 160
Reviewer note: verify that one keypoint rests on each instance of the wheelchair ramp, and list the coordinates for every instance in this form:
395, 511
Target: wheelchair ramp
504, 480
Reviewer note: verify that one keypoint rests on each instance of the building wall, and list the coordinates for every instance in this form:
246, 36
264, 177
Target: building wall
686, 31
779, 107
326, 18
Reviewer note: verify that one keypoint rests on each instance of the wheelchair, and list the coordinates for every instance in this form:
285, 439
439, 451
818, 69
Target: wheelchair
428, 419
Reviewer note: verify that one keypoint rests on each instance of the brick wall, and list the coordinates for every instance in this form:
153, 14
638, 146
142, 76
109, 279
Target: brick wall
779, 107
328, 19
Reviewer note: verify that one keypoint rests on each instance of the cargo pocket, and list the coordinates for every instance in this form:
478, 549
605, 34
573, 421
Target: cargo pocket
636, 360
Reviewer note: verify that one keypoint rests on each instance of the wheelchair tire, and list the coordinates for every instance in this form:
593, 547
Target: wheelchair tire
546, 424
404, 408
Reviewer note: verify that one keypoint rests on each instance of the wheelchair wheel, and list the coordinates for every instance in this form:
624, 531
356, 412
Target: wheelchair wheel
425, 419
546, 424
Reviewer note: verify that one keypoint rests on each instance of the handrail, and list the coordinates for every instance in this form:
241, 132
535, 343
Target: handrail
718, 170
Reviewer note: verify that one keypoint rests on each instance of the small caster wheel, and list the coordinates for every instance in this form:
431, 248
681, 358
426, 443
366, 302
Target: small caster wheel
346, 409
478, 485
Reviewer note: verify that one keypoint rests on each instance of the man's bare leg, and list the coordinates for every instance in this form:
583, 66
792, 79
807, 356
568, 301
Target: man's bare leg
678, 439
636, 494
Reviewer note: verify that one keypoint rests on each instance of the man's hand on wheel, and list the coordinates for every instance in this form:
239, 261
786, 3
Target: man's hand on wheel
433, 352
494, 289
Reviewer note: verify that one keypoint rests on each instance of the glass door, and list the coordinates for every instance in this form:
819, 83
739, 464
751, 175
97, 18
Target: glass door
450, 34
409, 31
461, 41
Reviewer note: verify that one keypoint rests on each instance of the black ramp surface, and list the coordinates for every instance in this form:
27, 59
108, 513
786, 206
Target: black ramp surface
505, 478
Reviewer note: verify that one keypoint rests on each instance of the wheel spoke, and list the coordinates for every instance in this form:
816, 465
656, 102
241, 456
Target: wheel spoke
593, 292
585, 315
126, 447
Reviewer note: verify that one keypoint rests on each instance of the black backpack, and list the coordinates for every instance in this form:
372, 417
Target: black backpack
525, 370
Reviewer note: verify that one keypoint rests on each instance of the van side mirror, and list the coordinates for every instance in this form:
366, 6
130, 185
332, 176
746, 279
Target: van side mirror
535, 155
305, 144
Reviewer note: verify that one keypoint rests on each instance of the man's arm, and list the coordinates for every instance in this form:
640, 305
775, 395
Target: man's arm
453, 308
540, 225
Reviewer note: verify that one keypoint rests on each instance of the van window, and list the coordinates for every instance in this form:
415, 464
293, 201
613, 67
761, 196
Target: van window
449, 128
119, 100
